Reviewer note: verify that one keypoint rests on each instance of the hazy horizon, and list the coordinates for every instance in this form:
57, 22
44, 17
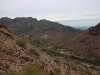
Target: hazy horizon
67, 12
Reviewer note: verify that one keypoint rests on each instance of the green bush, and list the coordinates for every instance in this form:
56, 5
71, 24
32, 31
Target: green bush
12, 73
67, 63
10, 51
97, 62
84, 74
74, 67
57, 60
57, 71
22, 43
32, 70
29, 70
47, 52
33, 51
51, 53
92, 67
88, 72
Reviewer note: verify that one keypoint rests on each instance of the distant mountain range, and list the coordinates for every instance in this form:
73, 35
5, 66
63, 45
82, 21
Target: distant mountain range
41, 32
46, 32
82, 28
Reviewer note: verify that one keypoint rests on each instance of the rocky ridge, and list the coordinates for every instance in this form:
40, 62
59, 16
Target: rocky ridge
87, 44
94, 30
42, 32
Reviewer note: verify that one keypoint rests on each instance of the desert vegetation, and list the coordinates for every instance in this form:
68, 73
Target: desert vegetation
29, 70
33, 51
57, 71
57, 60
10, 51
22, 43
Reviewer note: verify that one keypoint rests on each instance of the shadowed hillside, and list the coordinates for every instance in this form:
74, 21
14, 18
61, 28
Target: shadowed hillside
47, 33
88, 43
41, 32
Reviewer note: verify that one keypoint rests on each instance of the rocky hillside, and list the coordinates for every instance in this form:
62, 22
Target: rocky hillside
45, 32
41, 32
20, 58
88, 43
94, 31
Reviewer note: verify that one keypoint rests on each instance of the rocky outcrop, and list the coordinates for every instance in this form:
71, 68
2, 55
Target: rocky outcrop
95, 30
88, 43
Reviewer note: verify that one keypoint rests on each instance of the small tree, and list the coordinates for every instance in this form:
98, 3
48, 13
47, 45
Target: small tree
57, 60
22, 43
57, 71
33, 51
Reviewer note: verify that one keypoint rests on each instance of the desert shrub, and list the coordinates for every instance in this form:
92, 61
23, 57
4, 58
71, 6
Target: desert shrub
76, 58
92, 67
29, 70
10, 51
51, 53
33, 51
12, 73
84, 74
88, 72
57, 71
67, 63
32, 70
74, 67
22, 43
48, 52
57, 60
97, 62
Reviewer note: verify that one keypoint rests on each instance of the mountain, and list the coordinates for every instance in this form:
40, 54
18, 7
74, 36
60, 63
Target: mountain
47, 33
18, 57
88, 43
41, 32
14, 57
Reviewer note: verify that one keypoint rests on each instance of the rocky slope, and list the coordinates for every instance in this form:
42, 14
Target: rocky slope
88, 43
13, 57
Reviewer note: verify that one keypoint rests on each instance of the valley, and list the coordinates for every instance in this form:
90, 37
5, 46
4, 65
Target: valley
28, 46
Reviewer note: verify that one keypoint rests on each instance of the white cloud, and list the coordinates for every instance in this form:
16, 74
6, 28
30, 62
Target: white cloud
51, 9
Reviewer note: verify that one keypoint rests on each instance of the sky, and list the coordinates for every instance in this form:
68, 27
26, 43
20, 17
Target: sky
67, 12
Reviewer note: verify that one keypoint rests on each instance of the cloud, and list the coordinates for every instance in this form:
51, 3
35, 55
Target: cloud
50, 9
57, 17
